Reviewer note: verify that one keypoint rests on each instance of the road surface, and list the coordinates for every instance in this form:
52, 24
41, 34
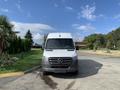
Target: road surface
95, 73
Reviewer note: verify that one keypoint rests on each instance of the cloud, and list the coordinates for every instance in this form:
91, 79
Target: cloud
38, 38
78, 37
101, 16
82, 31
4, 10
18, 5
87, 12
68, 8
34, 28
87, 27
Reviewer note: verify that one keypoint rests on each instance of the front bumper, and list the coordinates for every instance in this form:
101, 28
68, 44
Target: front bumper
48, 67
60, 70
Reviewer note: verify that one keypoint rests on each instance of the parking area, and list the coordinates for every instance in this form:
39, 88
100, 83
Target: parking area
95, 73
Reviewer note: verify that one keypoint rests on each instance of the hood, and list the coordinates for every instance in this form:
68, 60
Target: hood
59, 53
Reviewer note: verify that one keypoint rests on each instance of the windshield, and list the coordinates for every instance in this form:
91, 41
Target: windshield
59, 44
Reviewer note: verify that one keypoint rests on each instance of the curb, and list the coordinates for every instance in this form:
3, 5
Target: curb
19, 73
11, 74
32, 69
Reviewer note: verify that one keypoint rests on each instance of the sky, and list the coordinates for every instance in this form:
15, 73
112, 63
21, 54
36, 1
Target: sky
79, 17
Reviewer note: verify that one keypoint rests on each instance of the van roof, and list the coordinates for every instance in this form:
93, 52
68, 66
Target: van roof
59, 35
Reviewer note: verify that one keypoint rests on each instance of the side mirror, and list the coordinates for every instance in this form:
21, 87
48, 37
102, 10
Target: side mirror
77, 48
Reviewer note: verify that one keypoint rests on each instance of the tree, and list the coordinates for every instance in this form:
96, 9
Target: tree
118, 45
6, 33
95, 40
89, 40
97, 44
108, 46
109, 41
114, 37
29, 40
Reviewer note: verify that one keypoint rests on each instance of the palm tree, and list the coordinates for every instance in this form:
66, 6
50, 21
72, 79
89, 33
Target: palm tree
6, 33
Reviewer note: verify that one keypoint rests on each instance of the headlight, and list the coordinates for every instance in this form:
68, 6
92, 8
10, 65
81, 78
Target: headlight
45, 60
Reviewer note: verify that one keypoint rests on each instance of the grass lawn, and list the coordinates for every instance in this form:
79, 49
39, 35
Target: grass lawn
26, 61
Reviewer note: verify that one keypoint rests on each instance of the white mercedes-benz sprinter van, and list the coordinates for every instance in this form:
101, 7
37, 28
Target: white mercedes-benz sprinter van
59, 54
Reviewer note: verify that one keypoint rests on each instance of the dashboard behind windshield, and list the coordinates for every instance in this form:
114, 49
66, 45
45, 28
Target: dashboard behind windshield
59, 44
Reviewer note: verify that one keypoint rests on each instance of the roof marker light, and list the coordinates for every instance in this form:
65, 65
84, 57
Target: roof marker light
59, 35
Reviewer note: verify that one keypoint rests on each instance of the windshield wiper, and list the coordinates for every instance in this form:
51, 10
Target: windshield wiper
49, 49
70, 49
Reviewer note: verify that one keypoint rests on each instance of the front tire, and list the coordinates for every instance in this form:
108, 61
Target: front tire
45, 73
75, 72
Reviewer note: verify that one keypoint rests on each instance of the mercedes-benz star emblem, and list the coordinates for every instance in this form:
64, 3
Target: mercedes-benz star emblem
60, 60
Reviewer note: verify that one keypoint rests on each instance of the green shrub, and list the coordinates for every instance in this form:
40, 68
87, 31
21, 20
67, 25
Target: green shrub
6, 60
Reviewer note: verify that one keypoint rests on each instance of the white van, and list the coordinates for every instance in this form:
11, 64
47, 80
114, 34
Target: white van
59, 54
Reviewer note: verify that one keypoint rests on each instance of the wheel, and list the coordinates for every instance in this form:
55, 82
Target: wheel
45, 73
75, 72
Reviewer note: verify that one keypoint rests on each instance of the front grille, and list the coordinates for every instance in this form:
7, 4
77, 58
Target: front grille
60, 62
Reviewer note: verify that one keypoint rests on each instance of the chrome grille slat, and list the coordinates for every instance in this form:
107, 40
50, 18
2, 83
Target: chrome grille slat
64, 62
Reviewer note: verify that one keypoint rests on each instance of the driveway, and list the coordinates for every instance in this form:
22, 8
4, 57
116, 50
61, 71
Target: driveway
95, 73
4, 81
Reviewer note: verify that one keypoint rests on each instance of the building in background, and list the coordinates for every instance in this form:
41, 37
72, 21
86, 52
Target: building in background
80, 45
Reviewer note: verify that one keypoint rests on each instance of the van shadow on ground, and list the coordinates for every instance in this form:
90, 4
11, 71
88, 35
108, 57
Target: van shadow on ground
87, 68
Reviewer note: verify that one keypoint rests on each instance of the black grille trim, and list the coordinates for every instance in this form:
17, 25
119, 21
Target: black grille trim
60, 62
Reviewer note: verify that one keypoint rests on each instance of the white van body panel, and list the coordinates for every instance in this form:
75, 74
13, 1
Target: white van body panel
59, 53
59, 60
59, 35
